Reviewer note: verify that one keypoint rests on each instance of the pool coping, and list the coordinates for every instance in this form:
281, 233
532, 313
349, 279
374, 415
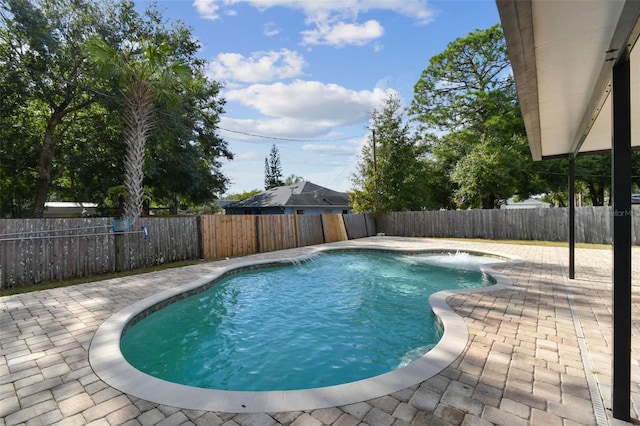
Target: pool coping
109, 364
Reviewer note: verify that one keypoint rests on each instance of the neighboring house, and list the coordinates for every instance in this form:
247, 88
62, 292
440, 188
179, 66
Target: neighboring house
64, 209
529, 203
300, 198
224, 203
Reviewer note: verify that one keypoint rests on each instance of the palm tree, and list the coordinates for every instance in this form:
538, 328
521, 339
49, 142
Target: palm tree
145, 74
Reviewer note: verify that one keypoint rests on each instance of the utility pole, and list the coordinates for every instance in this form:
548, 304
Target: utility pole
375, 171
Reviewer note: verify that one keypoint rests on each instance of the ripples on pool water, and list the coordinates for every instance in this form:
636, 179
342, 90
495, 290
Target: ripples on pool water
335, 319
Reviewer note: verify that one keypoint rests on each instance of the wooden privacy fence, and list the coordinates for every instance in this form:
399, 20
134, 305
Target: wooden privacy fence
592, 224
37, 250
40, 250
166, 240
236, 235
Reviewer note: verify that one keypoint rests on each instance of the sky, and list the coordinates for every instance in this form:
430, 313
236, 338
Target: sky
304, 75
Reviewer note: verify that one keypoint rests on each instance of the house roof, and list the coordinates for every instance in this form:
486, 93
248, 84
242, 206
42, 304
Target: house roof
562, 53
67, 204
529, 202
301, 194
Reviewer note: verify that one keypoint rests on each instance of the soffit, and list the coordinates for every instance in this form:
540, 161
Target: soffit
562, 53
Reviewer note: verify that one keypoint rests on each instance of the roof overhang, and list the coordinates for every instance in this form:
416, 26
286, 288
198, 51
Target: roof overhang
562, 53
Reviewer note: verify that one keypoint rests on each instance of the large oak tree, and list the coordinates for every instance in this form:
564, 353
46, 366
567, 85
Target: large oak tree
43, 57
60, 127
466, 104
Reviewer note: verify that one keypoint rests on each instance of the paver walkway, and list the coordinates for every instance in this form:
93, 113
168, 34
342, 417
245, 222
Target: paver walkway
538, 353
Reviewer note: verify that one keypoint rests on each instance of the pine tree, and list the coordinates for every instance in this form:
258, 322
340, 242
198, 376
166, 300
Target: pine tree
390, 173
267, 175
272, 169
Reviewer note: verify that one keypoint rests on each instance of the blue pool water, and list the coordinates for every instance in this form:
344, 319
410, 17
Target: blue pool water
337, 318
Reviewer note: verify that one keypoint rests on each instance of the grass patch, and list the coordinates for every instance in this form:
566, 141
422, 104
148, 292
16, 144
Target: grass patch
532, 243
83, 280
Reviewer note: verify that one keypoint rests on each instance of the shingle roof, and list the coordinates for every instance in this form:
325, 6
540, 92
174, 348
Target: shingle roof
300, 194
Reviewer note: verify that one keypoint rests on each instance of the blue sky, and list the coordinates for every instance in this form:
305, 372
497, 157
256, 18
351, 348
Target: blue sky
304, 74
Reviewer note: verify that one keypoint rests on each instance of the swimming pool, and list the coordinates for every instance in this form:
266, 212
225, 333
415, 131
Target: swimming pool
334, 319
109, 364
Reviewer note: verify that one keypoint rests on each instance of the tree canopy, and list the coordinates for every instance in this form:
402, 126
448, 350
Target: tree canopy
463, 86
466, 105
43, 63
61, 122
391, 171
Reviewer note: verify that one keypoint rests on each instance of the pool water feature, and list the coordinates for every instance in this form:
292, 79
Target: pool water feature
337, 318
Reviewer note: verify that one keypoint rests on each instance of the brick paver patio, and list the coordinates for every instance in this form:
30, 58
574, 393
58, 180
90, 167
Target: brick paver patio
538, 352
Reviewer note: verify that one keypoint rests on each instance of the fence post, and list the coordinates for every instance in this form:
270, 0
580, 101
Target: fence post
120, 251
199, 236
258, 239
295, 228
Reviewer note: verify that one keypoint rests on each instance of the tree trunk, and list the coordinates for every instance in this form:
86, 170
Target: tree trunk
138, 120
489, 202
46, 163
596, 194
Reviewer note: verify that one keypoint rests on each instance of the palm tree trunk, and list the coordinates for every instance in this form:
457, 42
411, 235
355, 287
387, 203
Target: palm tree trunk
138, 119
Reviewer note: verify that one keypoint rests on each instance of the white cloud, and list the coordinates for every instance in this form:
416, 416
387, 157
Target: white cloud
346, 9
259, 67
271, 29
208, 9
270, 130
308, 100
333, 22
311, 113
247, 156
342, 34
331, 149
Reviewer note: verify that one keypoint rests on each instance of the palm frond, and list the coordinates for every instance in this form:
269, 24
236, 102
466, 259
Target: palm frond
107, 61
